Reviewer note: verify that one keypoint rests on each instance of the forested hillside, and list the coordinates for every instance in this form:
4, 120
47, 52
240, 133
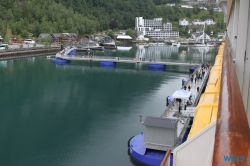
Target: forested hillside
25, 17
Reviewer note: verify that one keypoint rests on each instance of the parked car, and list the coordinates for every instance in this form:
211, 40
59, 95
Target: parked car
4, 46
29, 41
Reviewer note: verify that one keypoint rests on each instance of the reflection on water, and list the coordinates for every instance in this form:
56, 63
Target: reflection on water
3, 63
184, 54
155, 52
124, 48
161, 53
143, 69
31, 59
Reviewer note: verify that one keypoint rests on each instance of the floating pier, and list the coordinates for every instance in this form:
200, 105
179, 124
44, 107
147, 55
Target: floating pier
6, 54
126, 60
175, 122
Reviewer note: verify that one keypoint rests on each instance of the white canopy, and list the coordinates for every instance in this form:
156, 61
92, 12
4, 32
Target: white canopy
181, 94
124, 37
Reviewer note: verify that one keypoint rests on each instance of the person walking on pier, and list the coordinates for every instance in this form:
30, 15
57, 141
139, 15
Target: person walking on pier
198, 88
189, 87
203, 73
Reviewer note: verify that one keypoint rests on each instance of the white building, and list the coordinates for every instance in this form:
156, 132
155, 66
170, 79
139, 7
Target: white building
198, 22
162, 34
167, 26
183, 22
187, 6
142, 38
170, 4
217, 9
154, 28
198, 36
204, 8
209, 21
147, 24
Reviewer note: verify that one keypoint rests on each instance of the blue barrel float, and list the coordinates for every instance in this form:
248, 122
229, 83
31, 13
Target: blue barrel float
157, 66
192, 69
108, 63
60, 61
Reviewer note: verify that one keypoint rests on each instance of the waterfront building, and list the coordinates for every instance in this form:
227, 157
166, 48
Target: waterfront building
209, 21
58, 37
183, 22
154, 28
121, 32
142, 38
198, 36
198, 22
167, 26
158, 35
170, 4
187, 6
204, 8
123, 39
217, 9
147, 24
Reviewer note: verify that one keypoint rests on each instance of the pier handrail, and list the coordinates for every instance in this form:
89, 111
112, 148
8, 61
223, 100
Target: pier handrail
197, 99
232, 136
166, 157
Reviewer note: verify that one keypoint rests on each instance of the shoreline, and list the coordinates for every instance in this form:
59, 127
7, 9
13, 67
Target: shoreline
26, 52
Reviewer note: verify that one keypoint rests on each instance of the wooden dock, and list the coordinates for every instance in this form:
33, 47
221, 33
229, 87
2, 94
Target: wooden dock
6, 54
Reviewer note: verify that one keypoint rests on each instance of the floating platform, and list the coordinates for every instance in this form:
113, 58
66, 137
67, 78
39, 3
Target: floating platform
60, 61
140, 153
192, 69
156, 66
107, 63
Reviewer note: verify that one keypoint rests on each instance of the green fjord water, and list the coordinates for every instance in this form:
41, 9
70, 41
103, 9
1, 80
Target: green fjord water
82, 114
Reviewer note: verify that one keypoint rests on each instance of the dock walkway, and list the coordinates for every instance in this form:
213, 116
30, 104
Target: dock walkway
173, 107
124, 60
27, 52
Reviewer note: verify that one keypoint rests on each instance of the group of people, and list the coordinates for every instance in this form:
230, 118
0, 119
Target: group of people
142, 59
200, 74
205, 66
187, 103
185, 87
